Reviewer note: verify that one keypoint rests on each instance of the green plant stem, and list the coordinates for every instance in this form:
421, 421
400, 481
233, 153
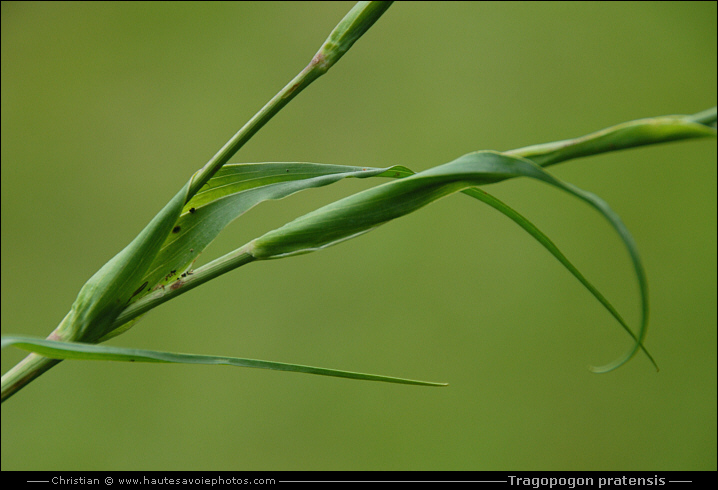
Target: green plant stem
354, 24
24, 372
630, 134
310, 73
359, 19
32, 366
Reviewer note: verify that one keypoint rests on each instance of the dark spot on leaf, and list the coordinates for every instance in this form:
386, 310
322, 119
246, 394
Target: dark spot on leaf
139, 289
192, 210
176, 229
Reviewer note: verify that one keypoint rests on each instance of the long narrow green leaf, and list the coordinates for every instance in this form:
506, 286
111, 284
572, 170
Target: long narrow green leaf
553, 249
364, 211
93, 352
544, 240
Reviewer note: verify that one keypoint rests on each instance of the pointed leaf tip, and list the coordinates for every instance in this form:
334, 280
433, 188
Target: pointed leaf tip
92, 352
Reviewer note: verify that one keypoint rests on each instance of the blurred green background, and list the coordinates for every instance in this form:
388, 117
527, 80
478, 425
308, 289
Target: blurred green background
108, 108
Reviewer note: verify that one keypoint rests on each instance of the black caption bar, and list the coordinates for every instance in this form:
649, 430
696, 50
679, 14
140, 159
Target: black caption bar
516, 480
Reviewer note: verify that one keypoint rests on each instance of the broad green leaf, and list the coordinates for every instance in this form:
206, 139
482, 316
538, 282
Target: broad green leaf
364, 211
93, 352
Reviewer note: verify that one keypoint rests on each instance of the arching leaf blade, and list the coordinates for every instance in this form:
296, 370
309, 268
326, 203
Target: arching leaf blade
364, 211
554, 250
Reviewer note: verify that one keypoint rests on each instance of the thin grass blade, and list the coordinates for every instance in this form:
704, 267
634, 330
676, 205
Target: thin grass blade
93, 352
